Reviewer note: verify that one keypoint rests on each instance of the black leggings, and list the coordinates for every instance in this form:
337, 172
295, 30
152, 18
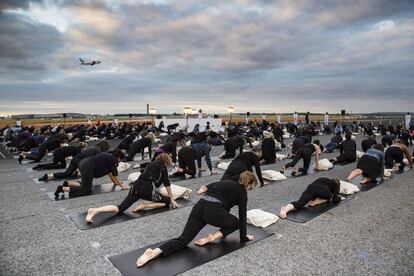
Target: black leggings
394, 155
234, 170
87, 170
346, 156
302, 153
186, 161
133, 150
70, 170
314, 190
231, 150
59, 162
203, 213
144, 191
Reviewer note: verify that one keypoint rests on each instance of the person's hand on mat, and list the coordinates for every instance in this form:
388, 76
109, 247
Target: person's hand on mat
317, 201
124, 187
214, 172
174, 204
201, 190
342, 197
265, 182
250, 237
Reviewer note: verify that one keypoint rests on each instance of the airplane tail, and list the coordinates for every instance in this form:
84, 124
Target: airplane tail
81, 60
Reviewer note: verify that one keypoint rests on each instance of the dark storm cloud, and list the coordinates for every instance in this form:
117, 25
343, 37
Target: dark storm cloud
253, 54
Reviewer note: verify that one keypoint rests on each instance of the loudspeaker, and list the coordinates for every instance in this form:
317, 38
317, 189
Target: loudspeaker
216, 116
64, 115
343, 112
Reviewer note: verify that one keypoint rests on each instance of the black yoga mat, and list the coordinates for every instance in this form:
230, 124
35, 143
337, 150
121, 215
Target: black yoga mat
96, 189
189, 258
368, 186
104, 219
344, 163
308, 213
187, 177
54, 181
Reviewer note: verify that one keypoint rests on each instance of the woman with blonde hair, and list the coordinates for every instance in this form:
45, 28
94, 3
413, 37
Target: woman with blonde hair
146, 187
214, 209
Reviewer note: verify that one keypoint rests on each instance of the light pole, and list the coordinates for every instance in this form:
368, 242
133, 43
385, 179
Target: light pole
152, 111
230, 110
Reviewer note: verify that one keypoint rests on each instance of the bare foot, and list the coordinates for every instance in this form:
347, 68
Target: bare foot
139, 208
202, 190
283, 212
148, 255
282, 169
90, 215
204, 241
365, 180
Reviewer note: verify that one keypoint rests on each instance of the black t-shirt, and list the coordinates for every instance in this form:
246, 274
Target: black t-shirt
105, 163
155, 172
53, 143
67, 151
348, 146
88, 152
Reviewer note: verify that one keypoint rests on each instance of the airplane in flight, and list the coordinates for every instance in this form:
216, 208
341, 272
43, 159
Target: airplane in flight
93, 62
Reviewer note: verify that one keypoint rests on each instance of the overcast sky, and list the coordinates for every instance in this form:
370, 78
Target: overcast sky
258, 56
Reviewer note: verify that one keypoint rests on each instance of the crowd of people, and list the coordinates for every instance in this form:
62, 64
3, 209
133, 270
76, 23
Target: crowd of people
183, 150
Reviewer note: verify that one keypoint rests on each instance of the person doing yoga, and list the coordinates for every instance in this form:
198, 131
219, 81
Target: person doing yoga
72, 170
318, 192
48, 145
231, 145
305, 153
213, 209
245, 162
146, 187
347, 150
59, 157
140, 145
370, 165
394, 156
93, 167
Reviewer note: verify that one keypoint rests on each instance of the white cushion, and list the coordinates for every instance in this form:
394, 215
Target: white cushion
280, 156
177, 191
377, 134
273, 175
359, 154
325, 165
255, 143
260, 218
157, 140
188, 143
286, 136
163, 134
347, 188
223, 165
387, 172
122, 166
132, 177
